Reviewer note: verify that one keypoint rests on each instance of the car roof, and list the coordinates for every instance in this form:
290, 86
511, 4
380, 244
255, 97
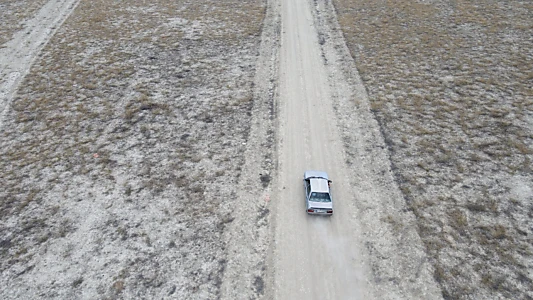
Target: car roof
319, 185
316, 174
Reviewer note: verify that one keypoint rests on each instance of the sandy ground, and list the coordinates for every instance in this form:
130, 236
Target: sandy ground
249, 239
355, 254
249, 236
156, 150
315, 258
451, 86
17, 55
123, 149
14, 14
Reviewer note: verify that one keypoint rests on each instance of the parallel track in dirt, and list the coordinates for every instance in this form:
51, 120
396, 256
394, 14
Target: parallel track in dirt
316, 257
20, 52
325, 123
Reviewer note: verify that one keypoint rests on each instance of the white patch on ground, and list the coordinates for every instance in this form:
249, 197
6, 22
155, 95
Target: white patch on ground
520, 189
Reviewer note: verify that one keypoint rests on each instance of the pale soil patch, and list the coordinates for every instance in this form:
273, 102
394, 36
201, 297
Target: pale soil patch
122, 149
451, 85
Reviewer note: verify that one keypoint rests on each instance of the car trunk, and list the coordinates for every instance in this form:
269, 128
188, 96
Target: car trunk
321, 205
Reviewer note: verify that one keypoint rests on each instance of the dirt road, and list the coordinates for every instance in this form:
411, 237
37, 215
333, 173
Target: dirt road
369, 249
316, 258
143, 237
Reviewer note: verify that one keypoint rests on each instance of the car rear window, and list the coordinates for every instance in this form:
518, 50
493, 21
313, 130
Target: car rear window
320, 197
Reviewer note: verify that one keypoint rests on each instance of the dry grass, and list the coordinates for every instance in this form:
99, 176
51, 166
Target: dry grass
13, 14
145, 105
450, 84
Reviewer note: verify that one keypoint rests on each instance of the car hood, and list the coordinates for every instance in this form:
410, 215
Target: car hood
316, 174
321, 204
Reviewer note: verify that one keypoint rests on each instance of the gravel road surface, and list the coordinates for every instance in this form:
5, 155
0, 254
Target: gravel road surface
369, 248
315, 258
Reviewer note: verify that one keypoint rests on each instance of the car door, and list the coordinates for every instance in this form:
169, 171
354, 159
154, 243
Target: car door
307, 190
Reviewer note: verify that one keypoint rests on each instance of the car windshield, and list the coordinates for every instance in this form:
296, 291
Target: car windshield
320, 197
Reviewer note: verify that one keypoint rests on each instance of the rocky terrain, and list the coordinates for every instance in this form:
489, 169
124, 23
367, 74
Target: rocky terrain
122, 150
451, 84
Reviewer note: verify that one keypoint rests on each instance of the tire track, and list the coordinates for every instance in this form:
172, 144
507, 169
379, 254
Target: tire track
370, 248
20, 52
315, 258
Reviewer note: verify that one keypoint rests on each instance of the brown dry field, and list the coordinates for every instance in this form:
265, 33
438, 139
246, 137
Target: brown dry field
451, 85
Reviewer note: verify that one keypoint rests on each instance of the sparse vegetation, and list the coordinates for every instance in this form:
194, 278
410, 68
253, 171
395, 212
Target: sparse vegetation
450, 84
127, 134
13, 14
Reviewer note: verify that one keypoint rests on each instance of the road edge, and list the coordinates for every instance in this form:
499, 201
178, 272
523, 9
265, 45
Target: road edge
396, 254
249, 235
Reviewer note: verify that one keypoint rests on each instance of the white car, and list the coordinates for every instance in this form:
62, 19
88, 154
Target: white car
318, 199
